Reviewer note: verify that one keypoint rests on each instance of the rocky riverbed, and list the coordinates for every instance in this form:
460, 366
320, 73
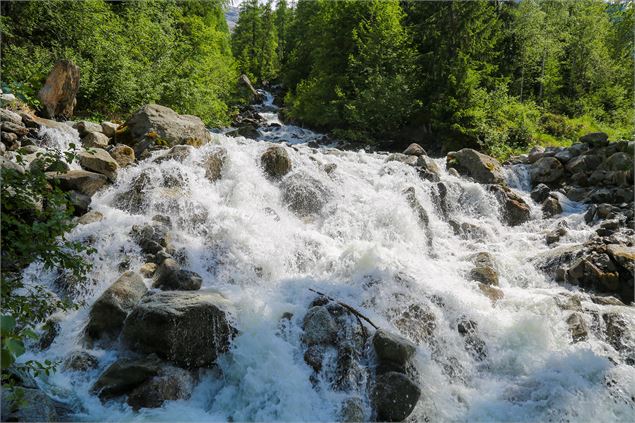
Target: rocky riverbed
264, 274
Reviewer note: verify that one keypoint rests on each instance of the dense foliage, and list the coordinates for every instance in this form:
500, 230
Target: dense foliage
35, 216
499, 75
129, 53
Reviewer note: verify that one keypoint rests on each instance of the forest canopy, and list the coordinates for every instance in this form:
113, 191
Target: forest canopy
494, 74
497, 75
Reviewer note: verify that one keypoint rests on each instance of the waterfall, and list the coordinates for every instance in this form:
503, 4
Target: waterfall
366, 248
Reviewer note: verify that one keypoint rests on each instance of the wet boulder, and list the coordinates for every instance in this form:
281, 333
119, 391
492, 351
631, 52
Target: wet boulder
191, 329
304, 194
213, 164
90, 217
82, 181
484, 269
155, 124
151, 238
60, 89
98, 160
134, 199
123, 155
352, 410
110, 310
177, 279
177, 153
468, 329
319, 326
546, 170
514, 209
551, 207
170, 384
491, 292
427, 168
482, 168
583, 163
95, 140
540, 193
577, 327
32, 405
276, 162
393, 348
80, 361
124, 375
394, 396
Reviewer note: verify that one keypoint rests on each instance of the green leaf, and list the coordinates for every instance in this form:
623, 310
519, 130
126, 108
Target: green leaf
15, 347
7, 324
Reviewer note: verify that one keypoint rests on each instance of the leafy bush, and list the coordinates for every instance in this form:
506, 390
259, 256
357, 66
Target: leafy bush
35, 217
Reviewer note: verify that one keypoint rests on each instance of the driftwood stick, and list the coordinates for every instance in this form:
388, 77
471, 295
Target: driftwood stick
347, 307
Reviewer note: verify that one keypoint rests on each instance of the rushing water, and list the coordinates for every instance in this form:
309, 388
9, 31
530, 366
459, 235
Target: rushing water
367, 249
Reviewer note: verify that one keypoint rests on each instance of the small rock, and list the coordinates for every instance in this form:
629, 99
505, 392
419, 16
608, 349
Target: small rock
95, 140
123, 155
98, 160
540, 193
352, 411
546, 170
276, 161
109, 129
213, 164
577, 327
414, 150
551, 207
18, 129
178, 153
85, 127
124, 375
304, 194
80, 361
482, 168
319, 326
491, 292
393, 348
148, 269
7, 115
181, 280
170, 384
90, 217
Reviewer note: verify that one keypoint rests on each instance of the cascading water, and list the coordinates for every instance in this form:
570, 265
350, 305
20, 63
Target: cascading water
366, 248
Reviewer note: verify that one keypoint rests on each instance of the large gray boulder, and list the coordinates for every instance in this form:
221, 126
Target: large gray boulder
187, 328
98, 160
110, 310
480, 167
162, 125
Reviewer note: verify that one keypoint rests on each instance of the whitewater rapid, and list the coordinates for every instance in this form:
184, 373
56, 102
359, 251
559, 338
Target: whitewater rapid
365, 248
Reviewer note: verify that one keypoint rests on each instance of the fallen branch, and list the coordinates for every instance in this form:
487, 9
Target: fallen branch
347, 307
